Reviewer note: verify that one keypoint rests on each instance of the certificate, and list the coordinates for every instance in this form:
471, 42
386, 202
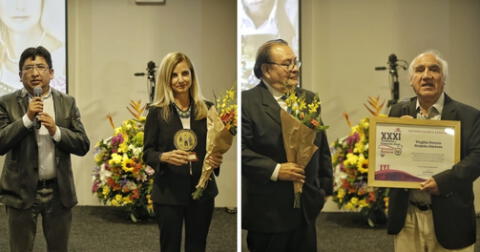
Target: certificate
404, 152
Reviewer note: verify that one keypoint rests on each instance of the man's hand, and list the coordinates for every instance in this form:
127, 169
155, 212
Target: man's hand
430, 186
48, 122
34, 107
175, 157
291, 172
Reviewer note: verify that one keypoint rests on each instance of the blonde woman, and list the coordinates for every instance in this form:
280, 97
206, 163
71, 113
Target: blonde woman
179, 108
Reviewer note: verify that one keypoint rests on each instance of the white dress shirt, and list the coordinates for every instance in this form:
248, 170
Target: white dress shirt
277, 95
46, 146
433, 113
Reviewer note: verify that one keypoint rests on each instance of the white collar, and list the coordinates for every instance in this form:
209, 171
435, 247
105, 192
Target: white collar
438, 105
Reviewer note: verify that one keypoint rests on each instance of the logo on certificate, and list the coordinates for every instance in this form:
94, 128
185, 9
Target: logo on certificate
390, 142
186, 140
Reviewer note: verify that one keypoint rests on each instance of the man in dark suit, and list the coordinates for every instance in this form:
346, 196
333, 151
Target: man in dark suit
440, 216
37, 174
272, 222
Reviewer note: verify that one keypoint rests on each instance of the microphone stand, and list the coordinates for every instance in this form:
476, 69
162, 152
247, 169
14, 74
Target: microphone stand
151, 80
392, 62
393, 72
151, 83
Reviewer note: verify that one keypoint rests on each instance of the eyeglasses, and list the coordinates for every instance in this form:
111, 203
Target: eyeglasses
40, 67
289, 66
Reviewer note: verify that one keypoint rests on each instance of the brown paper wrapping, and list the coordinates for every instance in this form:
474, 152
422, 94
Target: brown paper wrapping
298, 141
219, 140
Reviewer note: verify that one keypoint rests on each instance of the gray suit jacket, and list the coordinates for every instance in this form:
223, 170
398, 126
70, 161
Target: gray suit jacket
19, 177
453, 210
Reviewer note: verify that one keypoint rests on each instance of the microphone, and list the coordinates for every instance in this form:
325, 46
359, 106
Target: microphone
380, 68
151, 65
139, 74
37, 92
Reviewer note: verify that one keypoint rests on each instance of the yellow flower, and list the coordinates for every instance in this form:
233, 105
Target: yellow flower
127, 200
351, 159
302, 105
117, 131
349, 206
105, 190
115, 160
362, 203
230, 94
313, 107
364, 123
114, 203
99, 157
362, 165
340, 194
291, 99
359, 147
123, 147
356, 128
125, 162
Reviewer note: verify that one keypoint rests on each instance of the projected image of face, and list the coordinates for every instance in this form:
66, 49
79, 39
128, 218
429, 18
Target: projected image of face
258, 10
20, 15
30, 23
260, 21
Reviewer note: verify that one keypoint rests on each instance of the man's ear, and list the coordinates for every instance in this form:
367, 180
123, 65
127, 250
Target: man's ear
265, 69
52, 74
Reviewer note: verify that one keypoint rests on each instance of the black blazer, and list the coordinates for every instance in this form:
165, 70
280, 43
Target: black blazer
19, 178
268, 205
453, 210
173, 185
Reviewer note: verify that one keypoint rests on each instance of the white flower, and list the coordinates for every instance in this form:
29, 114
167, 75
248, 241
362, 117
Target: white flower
104, 174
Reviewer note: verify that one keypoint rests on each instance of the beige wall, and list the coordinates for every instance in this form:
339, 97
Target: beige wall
343, 40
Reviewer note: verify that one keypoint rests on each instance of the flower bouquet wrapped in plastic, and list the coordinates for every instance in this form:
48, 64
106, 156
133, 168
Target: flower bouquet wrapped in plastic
221, 128
300, 124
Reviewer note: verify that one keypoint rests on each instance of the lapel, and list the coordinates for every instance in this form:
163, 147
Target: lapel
449, 112
270, 106
194, 124
175, 119
412, 108
22, 100
57, 107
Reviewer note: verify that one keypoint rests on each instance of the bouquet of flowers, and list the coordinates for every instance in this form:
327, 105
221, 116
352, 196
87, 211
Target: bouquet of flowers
350, 161
120, 178
300, 124
221, 128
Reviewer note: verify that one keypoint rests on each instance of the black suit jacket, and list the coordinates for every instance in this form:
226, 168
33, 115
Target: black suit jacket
453, 210
19, 178
173, 185
268, 205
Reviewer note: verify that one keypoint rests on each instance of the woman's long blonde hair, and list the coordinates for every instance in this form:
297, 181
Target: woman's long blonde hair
164, 93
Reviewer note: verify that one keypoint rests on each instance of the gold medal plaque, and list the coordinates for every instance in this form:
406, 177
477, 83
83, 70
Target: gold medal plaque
186, 140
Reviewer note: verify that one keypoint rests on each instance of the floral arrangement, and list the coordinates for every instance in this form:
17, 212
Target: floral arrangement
120, 178
306, 113
300, 124
221, 128
350, 161
227, 110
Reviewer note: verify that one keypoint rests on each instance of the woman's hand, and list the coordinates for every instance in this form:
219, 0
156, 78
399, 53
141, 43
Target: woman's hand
175, 157
215, 160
